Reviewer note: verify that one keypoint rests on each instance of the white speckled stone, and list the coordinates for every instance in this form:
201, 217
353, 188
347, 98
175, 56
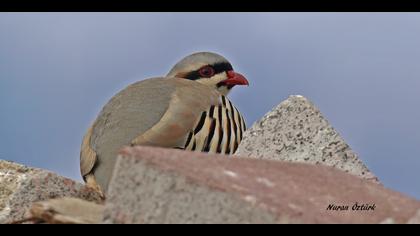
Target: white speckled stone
296, 131
20, 186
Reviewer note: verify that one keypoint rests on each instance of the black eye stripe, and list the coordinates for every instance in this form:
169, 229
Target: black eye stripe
193, 75
218, 68
221, 67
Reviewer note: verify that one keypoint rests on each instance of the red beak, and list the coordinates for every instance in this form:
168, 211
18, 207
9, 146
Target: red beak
235, 79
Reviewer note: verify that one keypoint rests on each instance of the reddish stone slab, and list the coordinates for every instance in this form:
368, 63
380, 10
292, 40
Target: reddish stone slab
155, 185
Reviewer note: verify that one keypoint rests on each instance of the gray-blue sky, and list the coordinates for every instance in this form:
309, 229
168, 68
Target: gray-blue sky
361, 69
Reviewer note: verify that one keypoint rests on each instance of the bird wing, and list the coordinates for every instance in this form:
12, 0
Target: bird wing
188, 101
153, 112
87, 155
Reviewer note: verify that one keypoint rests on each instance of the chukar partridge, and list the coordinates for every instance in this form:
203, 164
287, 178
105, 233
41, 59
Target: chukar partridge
188, 109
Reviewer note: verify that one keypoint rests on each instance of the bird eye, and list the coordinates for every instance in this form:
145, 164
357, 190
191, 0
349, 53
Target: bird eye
206, 72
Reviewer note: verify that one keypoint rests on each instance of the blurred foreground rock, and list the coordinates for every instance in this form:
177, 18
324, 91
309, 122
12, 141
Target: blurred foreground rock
296, 131
20, 186
415, 219
155, 185
66, 211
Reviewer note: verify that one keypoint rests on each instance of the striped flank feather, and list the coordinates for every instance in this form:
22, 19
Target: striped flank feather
219, 130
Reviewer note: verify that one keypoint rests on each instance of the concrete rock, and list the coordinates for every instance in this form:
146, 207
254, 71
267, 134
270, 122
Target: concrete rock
66, 211
296, 131
155, 185
20, 186
415, 219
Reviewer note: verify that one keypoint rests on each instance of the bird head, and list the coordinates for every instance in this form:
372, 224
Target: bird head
210, 69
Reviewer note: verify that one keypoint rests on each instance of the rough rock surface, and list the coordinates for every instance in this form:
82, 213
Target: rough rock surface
66, 211
20, 186
296, 131
155, 185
